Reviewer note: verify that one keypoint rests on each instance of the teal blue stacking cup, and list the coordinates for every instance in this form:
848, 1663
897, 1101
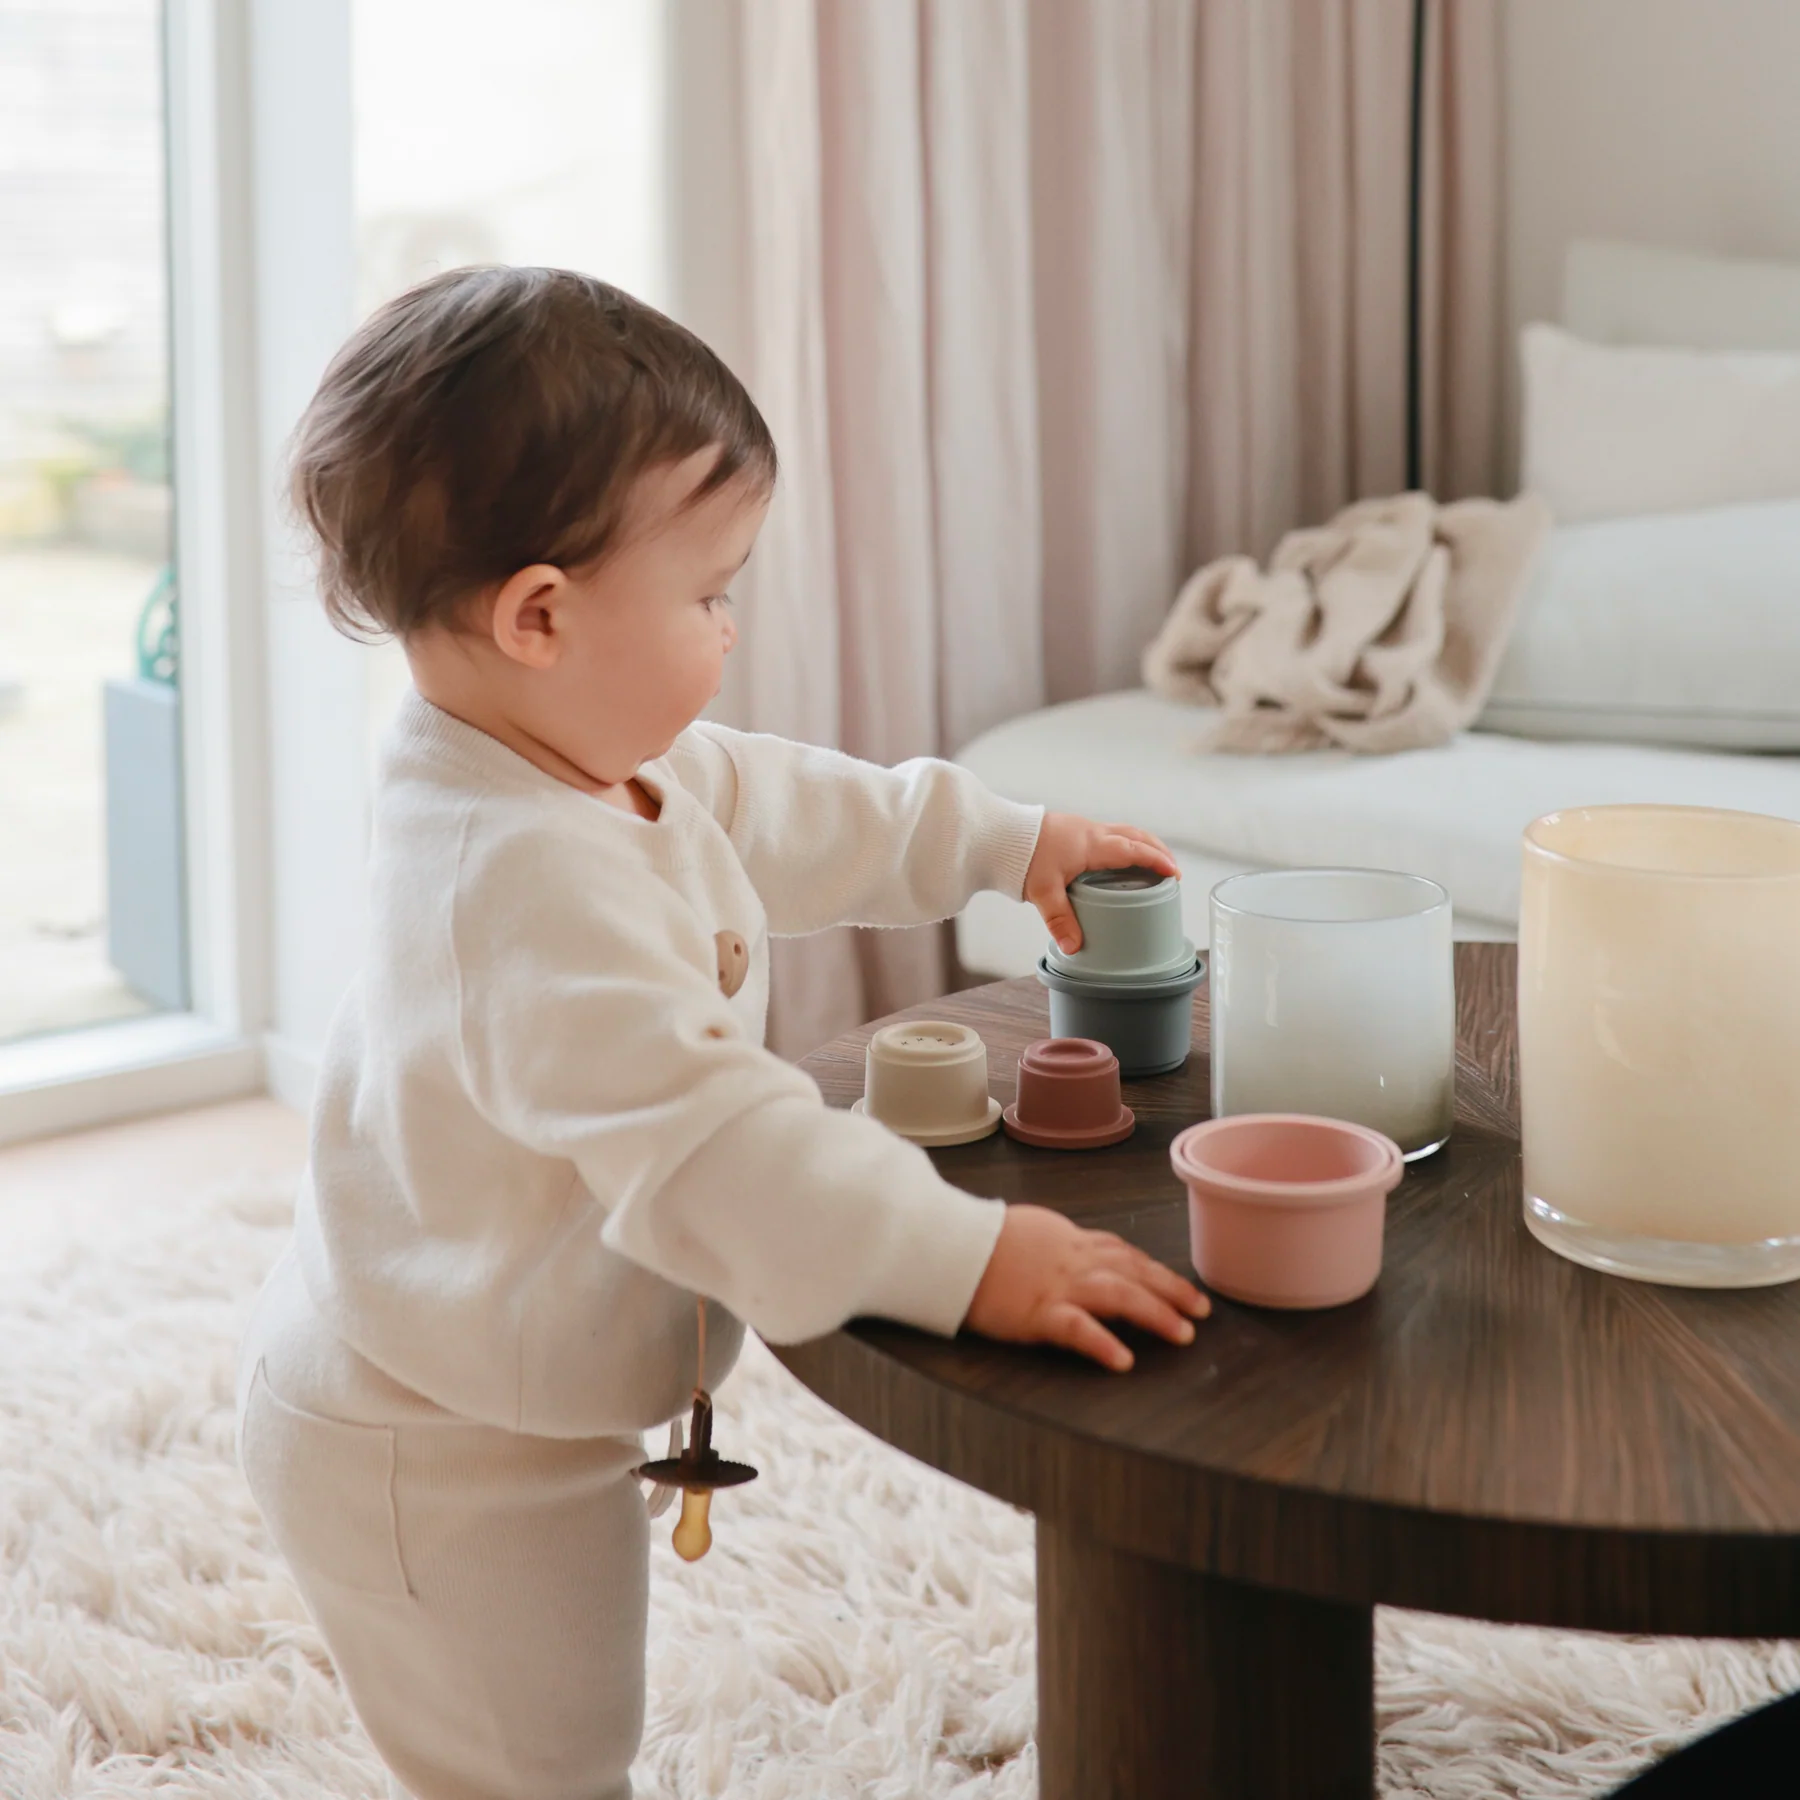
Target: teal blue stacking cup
1130, 928
1147, 1025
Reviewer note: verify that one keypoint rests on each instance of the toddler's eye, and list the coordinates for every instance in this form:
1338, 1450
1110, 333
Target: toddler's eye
715, 601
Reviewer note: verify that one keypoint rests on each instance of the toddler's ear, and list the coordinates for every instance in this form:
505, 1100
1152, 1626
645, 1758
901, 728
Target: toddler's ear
527, 617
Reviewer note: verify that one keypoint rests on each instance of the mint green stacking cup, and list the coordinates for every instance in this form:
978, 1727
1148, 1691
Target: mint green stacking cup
1130, 928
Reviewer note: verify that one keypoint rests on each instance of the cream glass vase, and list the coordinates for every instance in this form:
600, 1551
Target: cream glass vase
1659, 1042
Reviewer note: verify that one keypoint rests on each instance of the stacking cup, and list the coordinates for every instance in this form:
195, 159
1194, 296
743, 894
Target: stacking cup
927, 1080
1068, 1096
1130, 928
1285, 1210
1148, 1025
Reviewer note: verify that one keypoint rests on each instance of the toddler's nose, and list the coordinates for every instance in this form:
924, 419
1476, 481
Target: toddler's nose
730, 633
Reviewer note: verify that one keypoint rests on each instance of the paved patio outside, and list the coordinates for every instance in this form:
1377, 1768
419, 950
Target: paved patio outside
68, 616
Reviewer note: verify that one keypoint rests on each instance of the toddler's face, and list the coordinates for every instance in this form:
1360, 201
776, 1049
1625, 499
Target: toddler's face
592, 673
649, 630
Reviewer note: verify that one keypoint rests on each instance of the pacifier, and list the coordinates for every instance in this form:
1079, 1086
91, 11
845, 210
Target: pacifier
698, 1471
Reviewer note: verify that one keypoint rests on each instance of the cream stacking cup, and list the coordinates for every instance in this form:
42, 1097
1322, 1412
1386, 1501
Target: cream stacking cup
1130, 986
927, 1080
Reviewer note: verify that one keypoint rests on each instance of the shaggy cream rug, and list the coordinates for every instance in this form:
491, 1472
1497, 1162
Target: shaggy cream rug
862, 1630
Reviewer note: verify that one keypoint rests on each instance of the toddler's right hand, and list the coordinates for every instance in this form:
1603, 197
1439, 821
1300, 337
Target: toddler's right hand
1049, 1281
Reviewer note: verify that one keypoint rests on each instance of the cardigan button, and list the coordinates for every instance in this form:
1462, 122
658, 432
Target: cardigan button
734, 961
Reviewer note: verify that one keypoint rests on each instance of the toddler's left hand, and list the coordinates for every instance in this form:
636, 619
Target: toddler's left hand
1068, 846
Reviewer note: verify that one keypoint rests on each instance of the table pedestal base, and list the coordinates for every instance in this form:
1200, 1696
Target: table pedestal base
1156, 1683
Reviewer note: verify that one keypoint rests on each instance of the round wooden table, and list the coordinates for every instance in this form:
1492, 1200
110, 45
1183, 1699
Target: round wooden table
1493, 1432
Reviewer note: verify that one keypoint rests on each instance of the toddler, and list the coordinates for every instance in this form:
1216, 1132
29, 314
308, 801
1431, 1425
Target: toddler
546, 1120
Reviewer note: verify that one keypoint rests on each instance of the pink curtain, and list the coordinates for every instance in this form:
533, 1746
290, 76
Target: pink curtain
1047, 301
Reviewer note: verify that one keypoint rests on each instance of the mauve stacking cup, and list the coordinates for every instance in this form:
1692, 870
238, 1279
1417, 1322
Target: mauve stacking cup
1068, 1097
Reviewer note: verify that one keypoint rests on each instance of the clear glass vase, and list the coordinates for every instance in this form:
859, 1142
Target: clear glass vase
1333, 993
1659, 1042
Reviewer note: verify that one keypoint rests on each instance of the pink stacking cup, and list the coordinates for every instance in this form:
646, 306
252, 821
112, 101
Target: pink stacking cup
1286, 1210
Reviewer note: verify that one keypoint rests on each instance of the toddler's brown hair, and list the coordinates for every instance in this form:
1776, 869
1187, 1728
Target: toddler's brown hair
490, 418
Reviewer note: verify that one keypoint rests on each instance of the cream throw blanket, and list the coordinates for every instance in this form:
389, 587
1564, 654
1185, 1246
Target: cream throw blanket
1380, 631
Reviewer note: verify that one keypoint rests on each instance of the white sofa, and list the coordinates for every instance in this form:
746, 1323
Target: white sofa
1455, 813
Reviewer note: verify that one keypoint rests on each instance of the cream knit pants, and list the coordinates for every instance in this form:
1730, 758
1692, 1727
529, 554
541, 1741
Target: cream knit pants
483, 1594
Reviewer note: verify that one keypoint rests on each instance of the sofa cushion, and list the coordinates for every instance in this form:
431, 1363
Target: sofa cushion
1683, 628
1615, 430
1649, 294
1454, 813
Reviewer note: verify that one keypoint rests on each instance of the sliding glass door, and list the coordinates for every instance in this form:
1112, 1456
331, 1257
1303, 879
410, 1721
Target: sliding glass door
92, 849
194, 209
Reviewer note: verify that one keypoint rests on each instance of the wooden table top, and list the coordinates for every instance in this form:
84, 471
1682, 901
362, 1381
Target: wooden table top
1494, 1431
